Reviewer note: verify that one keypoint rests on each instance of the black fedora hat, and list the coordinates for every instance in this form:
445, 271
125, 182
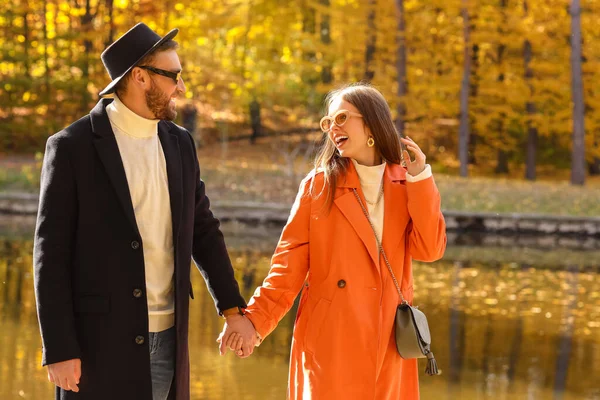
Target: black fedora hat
127, 51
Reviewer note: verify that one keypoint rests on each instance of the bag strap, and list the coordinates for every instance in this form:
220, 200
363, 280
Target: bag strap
380, 245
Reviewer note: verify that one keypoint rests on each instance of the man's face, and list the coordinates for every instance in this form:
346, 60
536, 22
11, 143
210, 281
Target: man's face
163, 92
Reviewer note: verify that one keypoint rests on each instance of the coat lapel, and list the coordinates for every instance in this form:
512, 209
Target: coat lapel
108, 151
394, 212
394, 197
170, 145
353, 212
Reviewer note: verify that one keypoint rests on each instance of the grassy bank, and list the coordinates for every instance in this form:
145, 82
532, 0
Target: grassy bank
263, 173
256, 173
20, 173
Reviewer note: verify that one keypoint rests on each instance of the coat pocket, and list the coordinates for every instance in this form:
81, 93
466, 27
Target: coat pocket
92, 304
316, 324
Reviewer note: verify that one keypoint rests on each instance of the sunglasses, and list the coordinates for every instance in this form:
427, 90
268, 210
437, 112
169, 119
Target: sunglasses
339, 118
176, 76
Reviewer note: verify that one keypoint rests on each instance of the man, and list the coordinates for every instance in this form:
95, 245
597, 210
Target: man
122, 212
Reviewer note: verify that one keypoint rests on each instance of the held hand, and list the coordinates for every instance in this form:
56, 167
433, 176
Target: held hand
65, 374
238, 335
418, 165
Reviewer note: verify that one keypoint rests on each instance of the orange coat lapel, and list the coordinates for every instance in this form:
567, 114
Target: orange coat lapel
350, 208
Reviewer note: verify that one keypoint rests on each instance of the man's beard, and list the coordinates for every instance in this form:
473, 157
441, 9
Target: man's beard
159, 103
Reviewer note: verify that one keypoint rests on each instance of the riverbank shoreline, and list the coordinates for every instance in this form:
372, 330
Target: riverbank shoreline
276, 215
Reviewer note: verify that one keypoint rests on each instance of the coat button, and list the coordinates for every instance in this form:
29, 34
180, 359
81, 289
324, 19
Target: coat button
341, 283
139, 339
135, 245
137, 293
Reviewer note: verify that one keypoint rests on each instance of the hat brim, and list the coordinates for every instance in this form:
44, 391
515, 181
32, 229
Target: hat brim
110, 88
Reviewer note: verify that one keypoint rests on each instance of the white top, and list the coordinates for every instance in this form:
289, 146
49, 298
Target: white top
145, 168
371, 179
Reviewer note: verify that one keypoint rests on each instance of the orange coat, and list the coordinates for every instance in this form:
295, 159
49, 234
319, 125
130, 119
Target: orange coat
343, 345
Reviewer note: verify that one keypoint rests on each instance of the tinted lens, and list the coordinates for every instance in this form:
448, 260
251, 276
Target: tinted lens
341, 119
325, 124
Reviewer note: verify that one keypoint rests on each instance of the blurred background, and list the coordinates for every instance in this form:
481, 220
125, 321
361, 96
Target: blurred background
502, 96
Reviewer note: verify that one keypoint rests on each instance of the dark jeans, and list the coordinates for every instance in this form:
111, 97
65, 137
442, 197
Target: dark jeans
162, 362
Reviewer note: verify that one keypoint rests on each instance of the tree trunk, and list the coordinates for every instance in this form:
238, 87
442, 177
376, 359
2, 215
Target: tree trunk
46, 65
26, 44
8, 100
532, 133
309, 27
167, 15
464, 130
502, 160
309, 18
371, 42
474, 90
594, 167
70, 43
244, 52
47, 89
401, 67
326, 72
532, 143
578, 155
87, 25
255, 120
111, 23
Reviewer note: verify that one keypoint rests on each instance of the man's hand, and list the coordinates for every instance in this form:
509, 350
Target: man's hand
238, 335
65, 374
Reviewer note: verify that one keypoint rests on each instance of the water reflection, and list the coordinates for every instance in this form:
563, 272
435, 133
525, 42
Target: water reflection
501, 329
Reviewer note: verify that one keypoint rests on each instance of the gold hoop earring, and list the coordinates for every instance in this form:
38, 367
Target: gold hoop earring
370, 142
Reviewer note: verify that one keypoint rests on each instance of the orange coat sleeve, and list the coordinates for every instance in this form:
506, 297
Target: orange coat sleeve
289, 268
427, 235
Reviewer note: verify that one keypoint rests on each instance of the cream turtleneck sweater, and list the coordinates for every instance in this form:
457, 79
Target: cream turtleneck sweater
371, 179
145, 168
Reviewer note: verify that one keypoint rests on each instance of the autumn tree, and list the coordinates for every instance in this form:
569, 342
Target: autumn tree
578, 154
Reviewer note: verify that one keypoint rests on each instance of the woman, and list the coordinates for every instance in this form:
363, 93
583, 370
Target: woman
343, 344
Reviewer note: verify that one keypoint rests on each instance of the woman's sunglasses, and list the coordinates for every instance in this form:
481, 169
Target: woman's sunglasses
339, 118
176, 76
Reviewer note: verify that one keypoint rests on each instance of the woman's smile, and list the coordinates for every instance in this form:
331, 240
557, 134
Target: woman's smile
340, 140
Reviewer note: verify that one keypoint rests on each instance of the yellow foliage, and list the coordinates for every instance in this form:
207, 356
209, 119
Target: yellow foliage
282, 52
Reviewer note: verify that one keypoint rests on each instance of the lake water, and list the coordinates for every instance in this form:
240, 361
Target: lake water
508, 322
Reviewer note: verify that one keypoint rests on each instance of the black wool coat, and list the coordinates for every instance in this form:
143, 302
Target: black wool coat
89, 265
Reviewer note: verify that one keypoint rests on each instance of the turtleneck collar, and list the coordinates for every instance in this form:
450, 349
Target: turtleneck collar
129, 122
369, 175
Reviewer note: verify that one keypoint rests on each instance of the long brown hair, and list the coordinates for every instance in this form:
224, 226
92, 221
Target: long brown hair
376, 116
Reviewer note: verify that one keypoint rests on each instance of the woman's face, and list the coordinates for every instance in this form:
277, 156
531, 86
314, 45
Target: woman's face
351, 137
